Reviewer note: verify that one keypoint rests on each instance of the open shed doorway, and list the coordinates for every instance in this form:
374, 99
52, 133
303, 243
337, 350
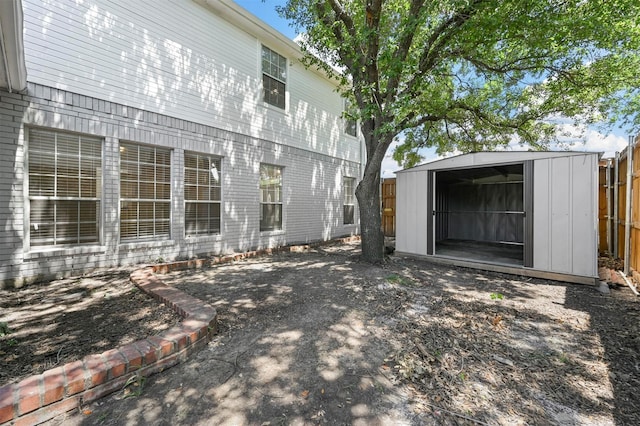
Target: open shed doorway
480, 214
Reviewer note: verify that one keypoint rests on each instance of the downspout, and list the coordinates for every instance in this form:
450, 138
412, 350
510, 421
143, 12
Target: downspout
627, 216
5, 61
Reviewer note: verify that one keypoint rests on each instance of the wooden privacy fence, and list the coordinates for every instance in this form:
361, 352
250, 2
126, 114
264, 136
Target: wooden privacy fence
619, 206
389, 207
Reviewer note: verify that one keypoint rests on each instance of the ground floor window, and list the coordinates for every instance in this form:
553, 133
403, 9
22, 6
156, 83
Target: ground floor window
202, 193
145, 192
348, 207
65, 180
270, 197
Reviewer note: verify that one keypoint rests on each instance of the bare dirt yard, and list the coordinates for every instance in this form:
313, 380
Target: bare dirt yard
47, 325
323, 338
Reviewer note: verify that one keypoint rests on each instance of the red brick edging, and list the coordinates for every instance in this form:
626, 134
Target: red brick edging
39, 398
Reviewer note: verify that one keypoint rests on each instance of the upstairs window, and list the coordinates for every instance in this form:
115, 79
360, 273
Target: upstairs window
270, 197
202, 193
350, 126
145, 192
349, 203
65, 181
274, 77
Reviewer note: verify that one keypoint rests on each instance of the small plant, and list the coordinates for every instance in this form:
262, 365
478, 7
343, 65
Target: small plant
563, 358
397, 279
496, 296
12, 342
4, 329
133, 386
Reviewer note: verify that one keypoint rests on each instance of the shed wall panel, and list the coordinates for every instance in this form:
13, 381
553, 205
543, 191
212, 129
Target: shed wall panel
421, 215
412, 217
565, 200
582, 220
541, 219
560, 210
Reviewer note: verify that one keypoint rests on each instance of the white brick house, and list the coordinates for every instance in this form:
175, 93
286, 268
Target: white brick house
165, 129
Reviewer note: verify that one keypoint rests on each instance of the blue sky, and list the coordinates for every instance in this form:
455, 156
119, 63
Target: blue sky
591, 140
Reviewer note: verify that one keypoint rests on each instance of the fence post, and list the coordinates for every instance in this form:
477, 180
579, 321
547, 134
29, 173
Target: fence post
616, 207
608, 198
627, 216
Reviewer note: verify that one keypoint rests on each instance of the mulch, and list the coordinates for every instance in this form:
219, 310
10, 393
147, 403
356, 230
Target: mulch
49, 324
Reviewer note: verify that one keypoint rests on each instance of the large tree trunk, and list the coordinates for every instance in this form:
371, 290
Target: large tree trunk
368, 195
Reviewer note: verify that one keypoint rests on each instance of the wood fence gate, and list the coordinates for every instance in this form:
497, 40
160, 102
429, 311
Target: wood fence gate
389, 207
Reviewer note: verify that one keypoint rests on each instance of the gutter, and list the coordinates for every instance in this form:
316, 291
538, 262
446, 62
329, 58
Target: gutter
12, 44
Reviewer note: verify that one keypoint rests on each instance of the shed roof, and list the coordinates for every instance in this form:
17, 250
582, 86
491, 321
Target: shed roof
477, 159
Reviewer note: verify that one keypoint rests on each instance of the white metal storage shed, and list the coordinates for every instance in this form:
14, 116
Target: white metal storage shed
528, 213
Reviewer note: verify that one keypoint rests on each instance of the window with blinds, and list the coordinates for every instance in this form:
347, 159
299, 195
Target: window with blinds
274, 77
145, 192
349, 204
270, 197
65, 182
202, 194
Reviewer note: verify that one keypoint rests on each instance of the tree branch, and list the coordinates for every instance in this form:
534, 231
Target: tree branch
403, 47
435, 45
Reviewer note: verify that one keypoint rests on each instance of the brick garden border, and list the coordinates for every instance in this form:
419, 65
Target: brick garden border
39, 398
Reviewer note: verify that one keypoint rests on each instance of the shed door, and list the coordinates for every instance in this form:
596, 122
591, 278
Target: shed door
482, 214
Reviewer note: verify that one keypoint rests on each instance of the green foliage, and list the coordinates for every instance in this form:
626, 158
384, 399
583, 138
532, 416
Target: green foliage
397, 279
472, 75
496, 296
4, 329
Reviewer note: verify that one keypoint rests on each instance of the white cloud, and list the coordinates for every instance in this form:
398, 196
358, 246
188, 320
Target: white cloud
573, 137
609, 144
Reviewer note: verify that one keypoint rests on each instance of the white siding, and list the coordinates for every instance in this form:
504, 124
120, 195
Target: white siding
180, 59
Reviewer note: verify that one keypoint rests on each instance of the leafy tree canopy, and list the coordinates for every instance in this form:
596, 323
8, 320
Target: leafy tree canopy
469, 75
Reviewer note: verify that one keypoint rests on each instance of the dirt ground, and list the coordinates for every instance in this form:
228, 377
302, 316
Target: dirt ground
323, 338
46, 325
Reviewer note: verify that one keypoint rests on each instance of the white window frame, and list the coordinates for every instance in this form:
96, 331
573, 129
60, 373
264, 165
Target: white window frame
270, 198
348, 200
142, 189
206, 188
270, 74
349, 123
90, 173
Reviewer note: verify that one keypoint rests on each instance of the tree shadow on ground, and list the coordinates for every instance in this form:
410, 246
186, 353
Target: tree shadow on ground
323, 338
295, 345
57, 322
615, 318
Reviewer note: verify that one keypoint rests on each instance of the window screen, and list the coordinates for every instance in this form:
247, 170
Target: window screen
65, 181
202, 193
270, 197
348, 189
274, 77
145, 192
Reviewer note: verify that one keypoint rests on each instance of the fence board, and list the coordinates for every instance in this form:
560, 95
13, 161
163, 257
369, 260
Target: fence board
389, 207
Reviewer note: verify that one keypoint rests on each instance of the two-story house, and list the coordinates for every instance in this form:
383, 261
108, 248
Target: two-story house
152, 130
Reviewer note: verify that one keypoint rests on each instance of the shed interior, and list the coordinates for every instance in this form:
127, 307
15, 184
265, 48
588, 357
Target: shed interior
479, 214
